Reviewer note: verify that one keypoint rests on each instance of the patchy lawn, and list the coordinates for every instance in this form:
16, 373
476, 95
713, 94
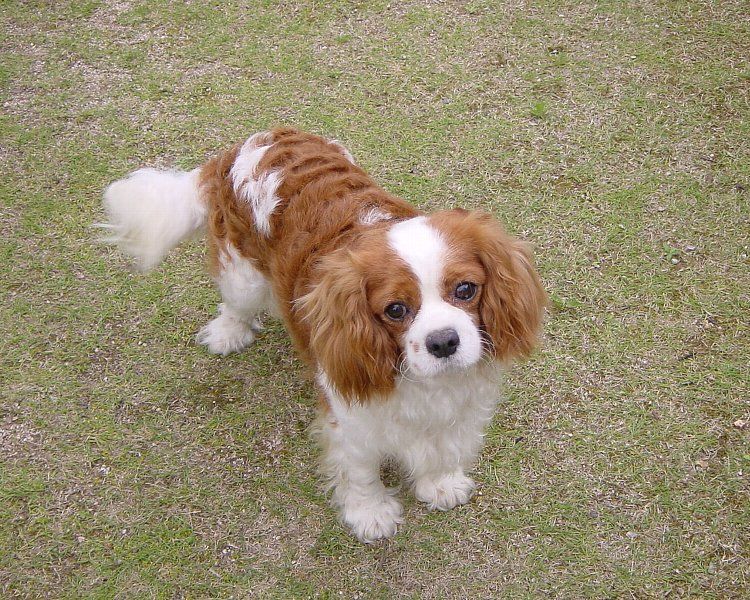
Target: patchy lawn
612, 135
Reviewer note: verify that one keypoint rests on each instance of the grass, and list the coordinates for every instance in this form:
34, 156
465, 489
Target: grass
612, 135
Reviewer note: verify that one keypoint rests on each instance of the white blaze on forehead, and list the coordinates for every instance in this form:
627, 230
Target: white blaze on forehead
257, 189
422, 248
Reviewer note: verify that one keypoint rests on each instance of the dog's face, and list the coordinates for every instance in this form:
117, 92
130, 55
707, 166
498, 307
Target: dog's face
426, 296
433, 310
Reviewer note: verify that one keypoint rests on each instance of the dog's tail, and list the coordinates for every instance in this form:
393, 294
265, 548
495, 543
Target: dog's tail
151, 211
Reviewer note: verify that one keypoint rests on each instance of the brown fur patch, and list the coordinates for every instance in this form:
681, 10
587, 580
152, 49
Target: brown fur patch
312, 251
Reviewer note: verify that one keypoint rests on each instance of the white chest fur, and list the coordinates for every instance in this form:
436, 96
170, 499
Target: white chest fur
432, 428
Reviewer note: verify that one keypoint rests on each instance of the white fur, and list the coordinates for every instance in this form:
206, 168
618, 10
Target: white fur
258, 190
373, 215
422, 248
152, 211
248, 157
341, 148
245, 292
433, 428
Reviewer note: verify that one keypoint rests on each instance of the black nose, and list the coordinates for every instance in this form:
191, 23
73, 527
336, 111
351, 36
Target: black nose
442, 343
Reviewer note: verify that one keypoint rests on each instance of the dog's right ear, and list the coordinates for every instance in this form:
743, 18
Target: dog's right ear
347, 341
513, 300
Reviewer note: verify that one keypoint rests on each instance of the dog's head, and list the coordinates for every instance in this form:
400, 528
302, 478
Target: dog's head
423, 297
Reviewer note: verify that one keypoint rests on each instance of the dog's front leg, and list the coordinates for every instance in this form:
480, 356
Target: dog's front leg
438, 462
438, 465
352, 466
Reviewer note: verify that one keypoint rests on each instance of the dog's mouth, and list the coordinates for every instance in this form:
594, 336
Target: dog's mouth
451, 365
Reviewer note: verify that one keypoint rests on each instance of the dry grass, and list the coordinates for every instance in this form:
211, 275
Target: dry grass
613, 135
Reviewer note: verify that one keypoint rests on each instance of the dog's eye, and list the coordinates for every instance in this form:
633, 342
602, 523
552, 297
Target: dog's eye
396, 311
465, 291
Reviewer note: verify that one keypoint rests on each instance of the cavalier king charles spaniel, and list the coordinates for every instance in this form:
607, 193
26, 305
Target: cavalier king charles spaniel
405, 319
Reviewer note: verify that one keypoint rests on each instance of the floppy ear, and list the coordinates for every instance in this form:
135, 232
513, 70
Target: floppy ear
513, 300
346, 340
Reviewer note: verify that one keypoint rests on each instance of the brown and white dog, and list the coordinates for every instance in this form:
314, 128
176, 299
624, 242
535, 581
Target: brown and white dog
406, 319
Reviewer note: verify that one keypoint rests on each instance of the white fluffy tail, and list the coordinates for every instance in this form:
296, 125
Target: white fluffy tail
152, 211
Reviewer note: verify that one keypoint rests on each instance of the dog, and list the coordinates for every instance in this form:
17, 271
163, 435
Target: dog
406, 320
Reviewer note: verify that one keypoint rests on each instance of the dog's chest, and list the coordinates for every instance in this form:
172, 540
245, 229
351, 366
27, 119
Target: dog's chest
444, 402
425, 409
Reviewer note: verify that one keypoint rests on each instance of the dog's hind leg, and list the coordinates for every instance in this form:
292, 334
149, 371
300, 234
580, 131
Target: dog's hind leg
245, 293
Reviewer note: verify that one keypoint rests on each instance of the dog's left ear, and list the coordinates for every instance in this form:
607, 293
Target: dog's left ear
513, 300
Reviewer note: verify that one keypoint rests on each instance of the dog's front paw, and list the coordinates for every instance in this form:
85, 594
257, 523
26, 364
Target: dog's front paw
373, 519
226, 334
445, 492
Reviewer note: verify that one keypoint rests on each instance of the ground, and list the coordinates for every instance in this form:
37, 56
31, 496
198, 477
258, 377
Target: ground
613, 136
